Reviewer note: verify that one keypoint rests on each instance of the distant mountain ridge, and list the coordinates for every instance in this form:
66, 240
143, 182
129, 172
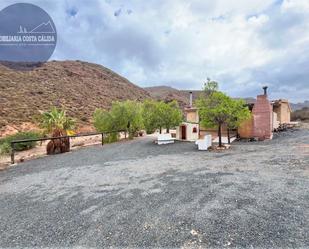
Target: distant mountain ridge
299, 106
167, 93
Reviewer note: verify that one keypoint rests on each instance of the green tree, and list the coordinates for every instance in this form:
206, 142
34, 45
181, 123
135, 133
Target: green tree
125, 116
159, 115
172, 115
218, 109
210, 86
103, 121
214, 111
239, 113
150, 116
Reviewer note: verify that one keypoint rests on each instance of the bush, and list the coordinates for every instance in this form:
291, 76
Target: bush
124, 116
111, 137
5, 143
5, 148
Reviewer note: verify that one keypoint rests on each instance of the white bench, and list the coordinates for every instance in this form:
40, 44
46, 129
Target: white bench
225, 140
204, 144
165, 139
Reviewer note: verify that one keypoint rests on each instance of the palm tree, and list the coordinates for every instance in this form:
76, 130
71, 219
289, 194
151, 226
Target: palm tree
57, 124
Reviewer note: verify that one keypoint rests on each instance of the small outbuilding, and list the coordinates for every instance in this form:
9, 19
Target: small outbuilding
283, 110
190, 128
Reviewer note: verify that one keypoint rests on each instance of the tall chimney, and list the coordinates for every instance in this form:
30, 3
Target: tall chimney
191, 99
265, 90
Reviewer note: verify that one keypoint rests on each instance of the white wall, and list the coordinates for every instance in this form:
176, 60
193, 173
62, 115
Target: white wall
189, 128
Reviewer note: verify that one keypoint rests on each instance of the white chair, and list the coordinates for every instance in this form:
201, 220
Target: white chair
165, 139
204, 144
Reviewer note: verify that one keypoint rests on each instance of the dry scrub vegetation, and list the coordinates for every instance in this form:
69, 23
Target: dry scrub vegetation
78, 87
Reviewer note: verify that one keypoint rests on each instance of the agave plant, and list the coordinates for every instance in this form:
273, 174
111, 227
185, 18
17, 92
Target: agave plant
57, 123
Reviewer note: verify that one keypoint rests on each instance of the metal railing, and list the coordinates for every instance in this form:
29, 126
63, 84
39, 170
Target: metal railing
60, 137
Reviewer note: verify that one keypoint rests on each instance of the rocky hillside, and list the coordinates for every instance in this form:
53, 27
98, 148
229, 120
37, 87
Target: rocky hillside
79, 87
167, 94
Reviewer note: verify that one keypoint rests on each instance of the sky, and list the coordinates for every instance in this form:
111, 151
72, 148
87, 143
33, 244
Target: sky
241, 44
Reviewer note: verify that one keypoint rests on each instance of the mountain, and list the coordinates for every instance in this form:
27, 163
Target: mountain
299, 106
79, 87
167, 94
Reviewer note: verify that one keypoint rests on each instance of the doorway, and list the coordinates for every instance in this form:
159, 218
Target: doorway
183, 132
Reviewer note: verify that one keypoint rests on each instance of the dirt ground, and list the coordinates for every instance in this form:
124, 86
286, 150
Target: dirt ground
138, 194
40, 149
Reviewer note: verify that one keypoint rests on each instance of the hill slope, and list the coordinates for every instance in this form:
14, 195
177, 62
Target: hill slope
79, 87
299, 106
167, 94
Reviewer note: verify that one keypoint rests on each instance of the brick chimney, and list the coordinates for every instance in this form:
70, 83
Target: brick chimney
262, 117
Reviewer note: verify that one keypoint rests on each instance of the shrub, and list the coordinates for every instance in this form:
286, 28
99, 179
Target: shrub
5, 148
57, 123
125, 116
5, 143
111, 137
56, 120
103, 121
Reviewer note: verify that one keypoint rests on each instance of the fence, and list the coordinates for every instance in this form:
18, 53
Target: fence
53, 138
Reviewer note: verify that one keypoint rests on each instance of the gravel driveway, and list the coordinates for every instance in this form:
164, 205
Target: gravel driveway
138, 194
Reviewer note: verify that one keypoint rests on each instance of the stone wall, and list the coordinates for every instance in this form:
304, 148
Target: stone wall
246, 129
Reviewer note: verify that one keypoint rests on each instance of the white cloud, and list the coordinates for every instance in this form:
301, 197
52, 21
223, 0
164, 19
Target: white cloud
258, 21
301, 6
241, 44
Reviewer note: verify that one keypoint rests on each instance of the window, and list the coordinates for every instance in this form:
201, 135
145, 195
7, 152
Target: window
194, 130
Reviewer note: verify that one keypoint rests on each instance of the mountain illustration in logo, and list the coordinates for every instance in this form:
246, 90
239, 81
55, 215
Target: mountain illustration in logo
44, 28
